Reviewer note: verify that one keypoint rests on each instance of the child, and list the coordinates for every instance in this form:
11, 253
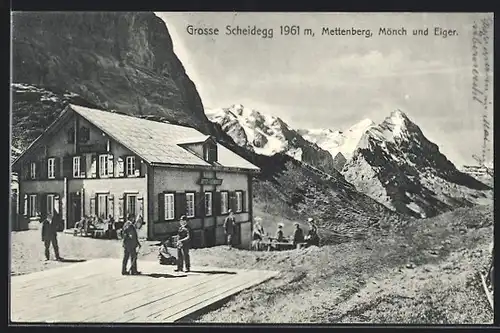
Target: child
164, 256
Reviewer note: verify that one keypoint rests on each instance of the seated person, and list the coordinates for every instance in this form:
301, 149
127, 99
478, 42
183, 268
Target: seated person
312, 237
279, 234
164, 255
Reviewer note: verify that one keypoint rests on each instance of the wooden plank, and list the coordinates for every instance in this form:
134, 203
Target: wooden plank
71, 295
150, 304
126, 302
248, 276
487, 291
208, 299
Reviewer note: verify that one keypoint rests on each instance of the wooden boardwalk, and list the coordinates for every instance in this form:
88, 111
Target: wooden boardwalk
96, 292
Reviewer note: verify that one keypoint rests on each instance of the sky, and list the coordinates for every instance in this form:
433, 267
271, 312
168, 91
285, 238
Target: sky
335, 81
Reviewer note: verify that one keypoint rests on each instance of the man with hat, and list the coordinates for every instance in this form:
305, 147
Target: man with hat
298, 235
229, 228
312, 237
49, 236
183, 244
130, 245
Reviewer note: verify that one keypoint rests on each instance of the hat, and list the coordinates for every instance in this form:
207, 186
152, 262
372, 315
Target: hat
310, 219
230, 211
281, 225
296, 223
183, 218
257, 218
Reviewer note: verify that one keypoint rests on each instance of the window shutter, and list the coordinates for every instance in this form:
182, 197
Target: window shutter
93, 208
26, 170
180, 205
161, 207
97, 166
216, 203
111, 205
140, 206
243, 202
57, 203
25, 211
67, 167
93, 167
232, 201
83, 166
38, 199
121, 166
199, 204
111, 164
137, 165
41, 169
120, 208
42, 204
57, 167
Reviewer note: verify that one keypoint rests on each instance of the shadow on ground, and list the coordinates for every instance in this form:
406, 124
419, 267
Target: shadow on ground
158, 275
213, 272
71, 260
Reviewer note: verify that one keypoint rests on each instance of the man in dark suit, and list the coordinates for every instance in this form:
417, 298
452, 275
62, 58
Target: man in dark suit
229, 228
183, 245
130, 245
49, 236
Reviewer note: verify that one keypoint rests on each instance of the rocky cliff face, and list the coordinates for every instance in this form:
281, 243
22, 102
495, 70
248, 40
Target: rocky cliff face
123, 61
398, 166
269, 135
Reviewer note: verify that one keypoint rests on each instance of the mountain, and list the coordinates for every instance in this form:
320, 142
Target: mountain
125, 62
343, 142
398, 166
268, 135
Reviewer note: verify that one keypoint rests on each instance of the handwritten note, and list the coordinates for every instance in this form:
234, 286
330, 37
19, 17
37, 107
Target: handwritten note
481, 71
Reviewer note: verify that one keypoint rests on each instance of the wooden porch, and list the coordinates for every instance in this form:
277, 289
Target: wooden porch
96, 292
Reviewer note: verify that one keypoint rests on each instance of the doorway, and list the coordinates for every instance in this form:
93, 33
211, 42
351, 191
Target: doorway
76, 210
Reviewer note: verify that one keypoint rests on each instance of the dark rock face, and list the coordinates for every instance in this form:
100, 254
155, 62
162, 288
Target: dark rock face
116, 60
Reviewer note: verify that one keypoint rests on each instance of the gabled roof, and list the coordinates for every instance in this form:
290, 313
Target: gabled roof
156, 142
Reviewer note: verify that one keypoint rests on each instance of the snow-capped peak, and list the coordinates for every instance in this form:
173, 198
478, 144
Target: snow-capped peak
252, 129
344, 142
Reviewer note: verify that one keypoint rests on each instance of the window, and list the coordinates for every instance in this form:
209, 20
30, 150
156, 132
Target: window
102, 206
239, 201
50, 204
130, 166
206, 153
130, 205
33, 170
189, 204
84, 134
224, 202
208, 203
103, 165
51, 168
76, 166
32, 205
169, 206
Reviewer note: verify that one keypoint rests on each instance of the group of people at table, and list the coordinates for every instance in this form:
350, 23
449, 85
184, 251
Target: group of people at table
259, 236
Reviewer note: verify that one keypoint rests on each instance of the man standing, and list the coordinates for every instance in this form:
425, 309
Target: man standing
130, 245
229, 228
298, 235
49, 235
183, 244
